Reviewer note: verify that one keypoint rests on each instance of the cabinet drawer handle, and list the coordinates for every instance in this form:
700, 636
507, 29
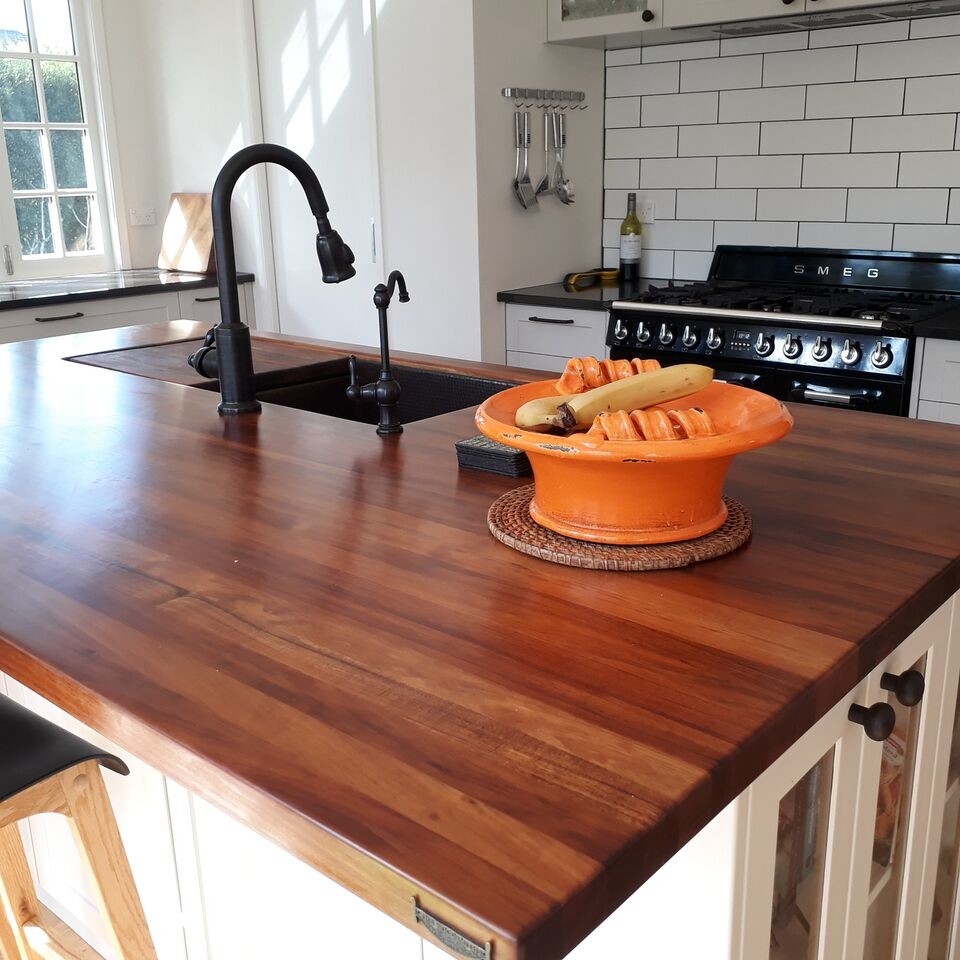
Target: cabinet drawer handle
205, 299
64, 316
566, 322
877, 721
450, 938
907, 687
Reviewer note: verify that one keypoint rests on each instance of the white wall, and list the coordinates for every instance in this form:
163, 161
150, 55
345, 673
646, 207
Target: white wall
522, 247
184, 99
843, 137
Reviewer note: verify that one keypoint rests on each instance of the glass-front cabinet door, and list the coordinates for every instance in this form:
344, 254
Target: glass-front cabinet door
581, 20
896, 838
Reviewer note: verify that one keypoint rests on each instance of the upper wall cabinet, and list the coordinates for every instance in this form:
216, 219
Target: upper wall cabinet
694, 13
583, 21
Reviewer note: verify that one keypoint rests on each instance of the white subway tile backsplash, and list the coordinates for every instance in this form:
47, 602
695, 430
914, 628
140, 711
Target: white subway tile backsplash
719, 140
723, 73
697, 50
908, 58
642, 142
932, 94
851, 170
855, 236
841, 137
759, 171
684, 172
863, 33
621, 112
922, 169
898, 205
935, 27
716, 204
829, 65
928, 132
620, 58
621, 173
678, 108
691, 266
765, 43
678, 235
801, 136
801, 204
643, 79
868, 98
766, 233
664, 202
926, 238
776, 103
953, 213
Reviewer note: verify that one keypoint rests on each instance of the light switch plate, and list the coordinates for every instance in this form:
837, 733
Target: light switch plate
143, 216
648, 211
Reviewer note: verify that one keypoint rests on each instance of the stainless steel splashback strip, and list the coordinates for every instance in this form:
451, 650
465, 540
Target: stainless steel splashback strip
755, 316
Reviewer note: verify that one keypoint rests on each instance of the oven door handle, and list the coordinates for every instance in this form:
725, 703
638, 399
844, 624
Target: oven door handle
821, 396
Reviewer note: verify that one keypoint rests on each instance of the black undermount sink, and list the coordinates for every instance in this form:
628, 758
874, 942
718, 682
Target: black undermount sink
322, 388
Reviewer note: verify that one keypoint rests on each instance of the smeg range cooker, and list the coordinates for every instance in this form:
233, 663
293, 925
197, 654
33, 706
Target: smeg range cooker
833, 327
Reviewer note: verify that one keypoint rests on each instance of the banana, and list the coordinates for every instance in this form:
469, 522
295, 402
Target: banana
632, 393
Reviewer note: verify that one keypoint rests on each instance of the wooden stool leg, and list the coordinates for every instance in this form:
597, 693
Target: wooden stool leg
95, 830
18, 899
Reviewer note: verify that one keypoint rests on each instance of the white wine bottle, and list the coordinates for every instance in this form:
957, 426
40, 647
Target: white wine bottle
631, 241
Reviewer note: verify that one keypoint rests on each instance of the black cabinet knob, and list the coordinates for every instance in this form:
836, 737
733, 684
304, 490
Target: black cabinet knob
907, 687
877, 721
788, 2
647, 16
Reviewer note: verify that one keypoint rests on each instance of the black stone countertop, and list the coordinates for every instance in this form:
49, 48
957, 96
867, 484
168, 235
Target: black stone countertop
944, 327
100, 286
554, 295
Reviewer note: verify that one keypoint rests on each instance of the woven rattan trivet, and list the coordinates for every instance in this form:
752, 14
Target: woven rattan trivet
510, 522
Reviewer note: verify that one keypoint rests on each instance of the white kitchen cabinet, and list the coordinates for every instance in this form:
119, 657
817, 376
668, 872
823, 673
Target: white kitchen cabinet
546, 332
694, 13
140, 804
54, 320
203, 304
582, 21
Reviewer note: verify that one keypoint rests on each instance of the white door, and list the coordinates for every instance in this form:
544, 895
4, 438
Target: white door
317, 91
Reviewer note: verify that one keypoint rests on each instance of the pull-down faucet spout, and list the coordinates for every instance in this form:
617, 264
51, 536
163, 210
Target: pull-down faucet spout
234, 358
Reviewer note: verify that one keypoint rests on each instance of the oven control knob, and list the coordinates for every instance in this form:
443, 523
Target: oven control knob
850, 354
793, 347
822, 349
882, 356
690, 337
620, 330
714, 339
643, 332
764, 345
666, 335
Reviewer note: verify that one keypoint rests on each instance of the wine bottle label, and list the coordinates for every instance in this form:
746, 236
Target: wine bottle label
630, 247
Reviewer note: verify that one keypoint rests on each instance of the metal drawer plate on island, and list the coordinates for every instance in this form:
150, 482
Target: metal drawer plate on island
547, 330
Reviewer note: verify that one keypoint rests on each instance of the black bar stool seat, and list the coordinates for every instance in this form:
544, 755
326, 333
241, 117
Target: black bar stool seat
32, 749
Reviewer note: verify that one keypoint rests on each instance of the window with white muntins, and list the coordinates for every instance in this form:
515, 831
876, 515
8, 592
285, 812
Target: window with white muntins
52, 210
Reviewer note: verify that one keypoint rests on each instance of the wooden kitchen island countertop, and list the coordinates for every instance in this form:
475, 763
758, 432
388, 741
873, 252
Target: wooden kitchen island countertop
311, 627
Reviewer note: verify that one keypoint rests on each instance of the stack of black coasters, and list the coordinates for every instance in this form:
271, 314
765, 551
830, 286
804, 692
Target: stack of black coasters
481, 453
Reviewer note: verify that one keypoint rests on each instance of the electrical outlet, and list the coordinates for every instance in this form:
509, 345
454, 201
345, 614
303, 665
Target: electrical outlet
648, 211
143, 216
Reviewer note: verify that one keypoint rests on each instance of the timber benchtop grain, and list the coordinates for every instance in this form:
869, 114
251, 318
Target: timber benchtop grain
311, 626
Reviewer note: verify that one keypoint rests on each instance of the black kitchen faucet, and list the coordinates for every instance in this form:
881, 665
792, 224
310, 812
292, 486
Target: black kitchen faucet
226, 351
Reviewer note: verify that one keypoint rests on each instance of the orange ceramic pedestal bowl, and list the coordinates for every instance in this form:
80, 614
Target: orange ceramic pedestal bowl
632, 492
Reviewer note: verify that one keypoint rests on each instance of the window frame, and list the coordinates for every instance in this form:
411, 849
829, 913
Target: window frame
60, 263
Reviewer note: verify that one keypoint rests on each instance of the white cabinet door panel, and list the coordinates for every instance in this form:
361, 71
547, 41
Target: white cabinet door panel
553, 332
316, 86
941, 412
940, 372
688, 13
203, 305
260, 901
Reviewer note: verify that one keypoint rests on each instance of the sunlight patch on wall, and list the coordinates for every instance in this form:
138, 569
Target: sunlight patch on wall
334, 72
